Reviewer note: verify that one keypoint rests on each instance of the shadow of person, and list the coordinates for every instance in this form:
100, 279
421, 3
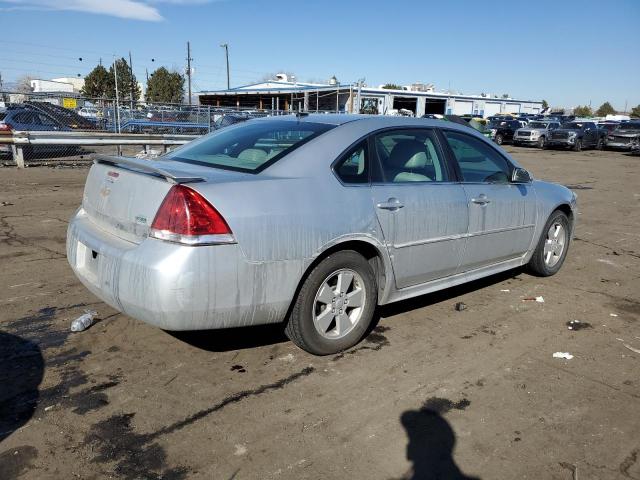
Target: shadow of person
430, 448
21, 371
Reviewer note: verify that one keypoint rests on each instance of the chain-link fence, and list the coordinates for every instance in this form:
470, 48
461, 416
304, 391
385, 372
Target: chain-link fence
92, 118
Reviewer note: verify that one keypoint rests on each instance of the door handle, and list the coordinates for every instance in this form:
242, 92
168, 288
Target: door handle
392, 204
481, 200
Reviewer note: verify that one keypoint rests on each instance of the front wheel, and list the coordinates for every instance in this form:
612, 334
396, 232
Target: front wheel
499, 139
541, 142
600, 144
335, 305
577, 147
552, 247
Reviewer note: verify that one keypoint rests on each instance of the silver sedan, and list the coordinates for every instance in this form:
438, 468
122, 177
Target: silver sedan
310, 220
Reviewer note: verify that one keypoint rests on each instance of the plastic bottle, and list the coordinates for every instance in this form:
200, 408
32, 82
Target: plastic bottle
84, 321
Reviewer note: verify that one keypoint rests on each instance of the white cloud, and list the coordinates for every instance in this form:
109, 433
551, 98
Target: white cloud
130, 9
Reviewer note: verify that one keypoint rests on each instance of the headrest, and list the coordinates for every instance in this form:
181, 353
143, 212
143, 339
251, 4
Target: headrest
408, 154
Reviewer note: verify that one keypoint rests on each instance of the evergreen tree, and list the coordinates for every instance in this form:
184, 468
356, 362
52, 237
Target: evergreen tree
96, 84
165, 87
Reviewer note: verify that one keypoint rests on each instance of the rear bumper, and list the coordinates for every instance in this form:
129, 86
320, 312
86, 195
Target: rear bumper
178, 287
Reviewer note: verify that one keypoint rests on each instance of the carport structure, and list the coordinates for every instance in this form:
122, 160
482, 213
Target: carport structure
354, 98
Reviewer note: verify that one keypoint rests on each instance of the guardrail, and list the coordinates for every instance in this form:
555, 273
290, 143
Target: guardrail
21, 139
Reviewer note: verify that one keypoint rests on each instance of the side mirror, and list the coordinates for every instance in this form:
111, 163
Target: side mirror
520, 175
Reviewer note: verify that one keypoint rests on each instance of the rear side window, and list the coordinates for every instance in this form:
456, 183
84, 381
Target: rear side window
353, 167
249, 147
478, 161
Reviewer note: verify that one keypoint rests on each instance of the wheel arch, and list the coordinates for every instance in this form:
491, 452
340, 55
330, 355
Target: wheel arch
369, 248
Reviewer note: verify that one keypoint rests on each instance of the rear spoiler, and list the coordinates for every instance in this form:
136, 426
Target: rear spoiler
145, 166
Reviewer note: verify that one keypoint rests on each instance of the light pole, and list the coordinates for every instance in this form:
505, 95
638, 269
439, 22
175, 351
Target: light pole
226, 51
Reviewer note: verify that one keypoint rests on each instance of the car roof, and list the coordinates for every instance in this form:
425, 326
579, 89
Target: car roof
374, 121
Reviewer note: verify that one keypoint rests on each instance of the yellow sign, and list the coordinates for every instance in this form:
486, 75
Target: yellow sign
69, 103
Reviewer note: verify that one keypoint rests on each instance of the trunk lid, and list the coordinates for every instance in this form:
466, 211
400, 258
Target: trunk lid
122, 195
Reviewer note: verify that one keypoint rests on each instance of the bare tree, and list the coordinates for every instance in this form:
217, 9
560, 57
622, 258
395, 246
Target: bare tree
23, 84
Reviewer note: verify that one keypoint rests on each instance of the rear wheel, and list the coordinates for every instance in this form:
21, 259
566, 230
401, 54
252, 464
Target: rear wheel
335, 305
552, 247
541, 142
577, 147
600, 144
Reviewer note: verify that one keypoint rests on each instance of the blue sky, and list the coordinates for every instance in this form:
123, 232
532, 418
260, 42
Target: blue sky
567, 52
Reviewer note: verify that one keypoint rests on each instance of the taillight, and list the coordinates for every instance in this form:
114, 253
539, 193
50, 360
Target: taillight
5, 128
186, 217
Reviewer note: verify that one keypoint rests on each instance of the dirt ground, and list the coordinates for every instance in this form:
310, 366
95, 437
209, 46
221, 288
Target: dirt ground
431, 393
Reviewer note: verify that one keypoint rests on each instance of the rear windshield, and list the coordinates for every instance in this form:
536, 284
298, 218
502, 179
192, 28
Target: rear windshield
2, 115
249, 147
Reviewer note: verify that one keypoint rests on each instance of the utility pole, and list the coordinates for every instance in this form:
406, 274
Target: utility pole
189, 70
117, 112
132, 83
226, 51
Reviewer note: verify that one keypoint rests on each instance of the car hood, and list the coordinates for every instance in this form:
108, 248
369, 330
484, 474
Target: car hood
537, 130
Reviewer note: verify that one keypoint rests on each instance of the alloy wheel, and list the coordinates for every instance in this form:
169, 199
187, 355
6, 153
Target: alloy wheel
554, 244
339, 303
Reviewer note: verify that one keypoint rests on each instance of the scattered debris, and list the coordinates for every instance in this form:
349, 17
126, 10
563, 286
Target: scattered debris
240, 450
505, 290
84, 321
533, 299
572, 468
147, 154
460, 306
287, 358
50, 407
577, 325
565, 355
238, 368
613, 314
636, 350
6, 204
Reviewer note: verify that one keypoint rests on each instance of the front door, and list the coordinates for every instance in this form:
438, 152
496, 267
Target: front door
502, 215
422, 214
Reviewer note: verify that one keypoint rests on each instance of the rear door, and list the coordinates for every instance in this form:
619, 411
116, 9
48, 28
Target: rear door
422, 212
502, 215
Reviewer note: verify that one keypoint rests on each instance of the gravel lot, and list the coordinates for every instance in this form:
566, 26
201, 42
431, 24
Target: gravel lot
432, 391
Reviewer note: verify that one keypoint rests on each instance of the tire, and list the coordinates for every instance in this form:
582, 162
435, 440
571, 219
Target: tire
538, 263
499, 139
542, 142
599, 144
577, 147
308, 320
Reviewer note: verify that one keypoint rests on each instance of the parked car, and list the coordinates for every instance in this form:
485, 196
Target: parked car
535, 133
312, 221
624, 135
25, 118
577, 135
503, 131
89, 112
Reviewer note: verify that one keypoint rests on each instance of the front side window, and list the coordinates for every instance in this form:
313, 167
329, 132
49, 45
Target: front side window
478, 161
410, 156
249, 147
